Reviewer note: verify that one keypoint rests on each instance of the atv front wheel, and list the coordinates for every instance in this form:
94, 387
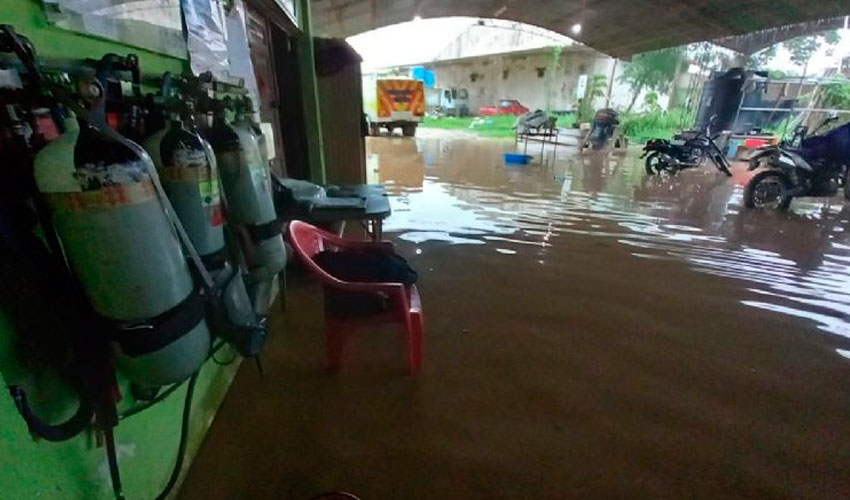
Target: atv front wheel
768, 190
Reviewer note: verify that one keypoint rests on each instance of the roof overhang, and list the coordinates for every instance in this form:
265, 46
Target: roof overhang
619, 28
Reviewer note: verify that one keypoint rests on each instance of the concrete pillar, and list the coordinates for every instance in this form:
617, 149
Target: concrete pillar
310, 96
611, 83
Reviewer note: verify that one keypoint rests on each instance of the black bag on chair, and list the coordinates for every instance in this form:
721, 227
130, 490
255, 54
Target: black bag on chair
364, 266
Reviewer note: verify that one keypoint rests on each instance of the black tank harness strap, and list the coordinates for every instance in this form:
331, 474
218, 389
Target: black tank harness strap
265, 231
216, 260
155, 333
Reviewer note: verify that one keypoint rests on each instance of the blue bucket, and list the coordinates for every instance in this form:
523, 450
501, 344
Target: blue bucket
517, 159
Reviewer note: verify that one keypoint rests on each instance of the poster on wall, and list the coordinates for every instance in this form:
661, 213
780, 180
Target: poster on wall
206, 35
218, 42
239, 52
148, 24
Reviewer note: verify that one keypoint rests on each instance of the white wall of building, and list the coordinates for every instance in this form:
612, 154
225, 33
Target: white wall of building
517, 76
497, 36
504, 57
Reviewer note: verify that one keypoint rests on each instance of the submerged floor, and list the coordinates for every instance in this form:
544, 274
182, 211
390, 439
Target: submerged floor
590, 333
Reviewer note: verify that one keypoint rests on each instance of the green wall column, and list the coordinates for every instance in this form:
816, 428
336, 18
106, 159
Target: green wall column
310, 96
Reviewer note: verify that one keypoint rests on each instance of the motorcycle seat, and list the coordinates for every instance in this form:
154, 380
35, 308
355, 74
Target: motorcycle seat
677, 142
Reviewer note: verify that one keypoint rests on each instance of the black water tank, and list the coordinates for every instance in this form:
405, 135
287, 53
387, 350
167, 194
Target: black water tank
721, 96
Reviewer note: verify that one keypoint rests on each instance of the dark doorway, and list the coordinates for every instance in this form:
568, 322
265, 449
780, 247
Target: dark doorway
291, 110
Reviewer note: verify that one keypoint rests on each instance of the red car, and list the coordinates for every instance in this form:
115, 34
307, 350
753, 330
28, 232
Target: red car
505, 107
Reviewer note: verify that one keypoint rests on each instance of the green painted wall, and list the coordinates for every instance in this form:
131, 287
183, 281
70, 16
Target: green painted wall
76, 469
147, 442
28, 18
310, 95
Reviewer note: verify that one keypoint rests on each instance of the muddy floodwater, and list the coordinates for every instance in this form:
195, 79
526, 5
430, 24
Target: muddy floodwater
591, 332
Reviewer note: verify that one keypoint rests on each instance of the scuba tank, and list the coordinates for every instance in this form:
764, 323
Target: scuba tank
191, 182
187, 167
34, 355
124, 251
246, 180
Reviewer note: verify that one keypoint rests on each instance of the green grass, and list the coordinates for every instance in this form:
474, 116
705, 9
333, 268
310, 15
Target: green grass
491, 126
496, 126
638, 127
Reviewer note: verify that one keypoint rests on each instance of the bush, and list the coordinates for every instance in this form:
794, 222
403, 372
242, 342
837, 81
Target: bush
640, 127
837, 94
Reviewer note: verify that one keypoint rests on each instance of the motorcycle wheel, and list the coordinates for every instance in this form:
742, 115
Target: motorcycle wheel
768, 190
658, 163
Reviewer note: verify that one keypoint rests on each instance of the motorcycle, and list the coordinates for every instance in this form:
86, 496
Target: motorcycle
687, 150
811, 165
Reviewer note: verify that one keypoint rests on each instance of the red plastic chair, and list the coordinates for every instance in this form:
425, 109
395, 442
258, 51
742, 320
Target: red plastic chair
405, 306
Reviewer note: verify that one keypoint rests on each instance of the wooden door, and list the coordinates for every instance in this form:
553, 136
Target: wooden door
262, 58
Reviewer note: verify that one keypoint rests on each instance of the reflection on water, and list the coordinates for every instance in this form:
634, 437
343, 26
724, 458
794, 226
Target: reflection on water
459, 191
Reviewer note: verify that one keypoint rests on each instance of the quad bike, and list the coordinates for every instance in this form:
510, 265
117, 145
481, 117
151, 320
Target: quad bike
811, 165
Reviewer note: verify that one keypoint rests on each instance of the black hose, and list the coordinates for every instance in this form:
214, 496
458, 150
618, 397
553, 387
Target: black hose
59, 432
184, 437
112, 458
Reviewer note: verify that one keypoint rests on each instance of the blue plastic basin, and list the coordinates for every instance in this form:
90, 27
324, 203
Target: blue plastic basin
517, 159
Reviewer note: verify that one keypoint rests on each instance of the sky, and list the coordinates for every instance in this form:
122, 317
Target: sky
415, 41
421, 41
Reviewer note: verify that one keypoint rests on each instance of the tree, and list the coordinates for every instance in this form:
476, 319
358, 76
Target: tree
761, 58
836, 94
551, 74
596, 86
651, 102
803, 48
651, 71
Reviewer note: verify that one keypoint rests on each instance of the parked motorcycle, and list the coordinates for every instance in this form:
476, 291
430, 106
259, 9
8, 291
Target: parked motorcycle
688, 149
819, 166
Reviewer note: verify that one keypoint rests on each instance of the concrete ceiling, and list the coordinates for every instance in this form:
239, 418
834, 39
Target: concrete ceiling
619, 28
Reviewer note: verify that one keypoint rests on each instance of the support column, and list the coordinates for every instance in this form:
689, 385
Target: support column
611, 83
310, 95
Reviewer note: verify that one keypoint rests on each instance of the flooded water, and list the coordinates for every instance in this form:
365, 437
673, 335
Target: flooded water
590, 333
460, 191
